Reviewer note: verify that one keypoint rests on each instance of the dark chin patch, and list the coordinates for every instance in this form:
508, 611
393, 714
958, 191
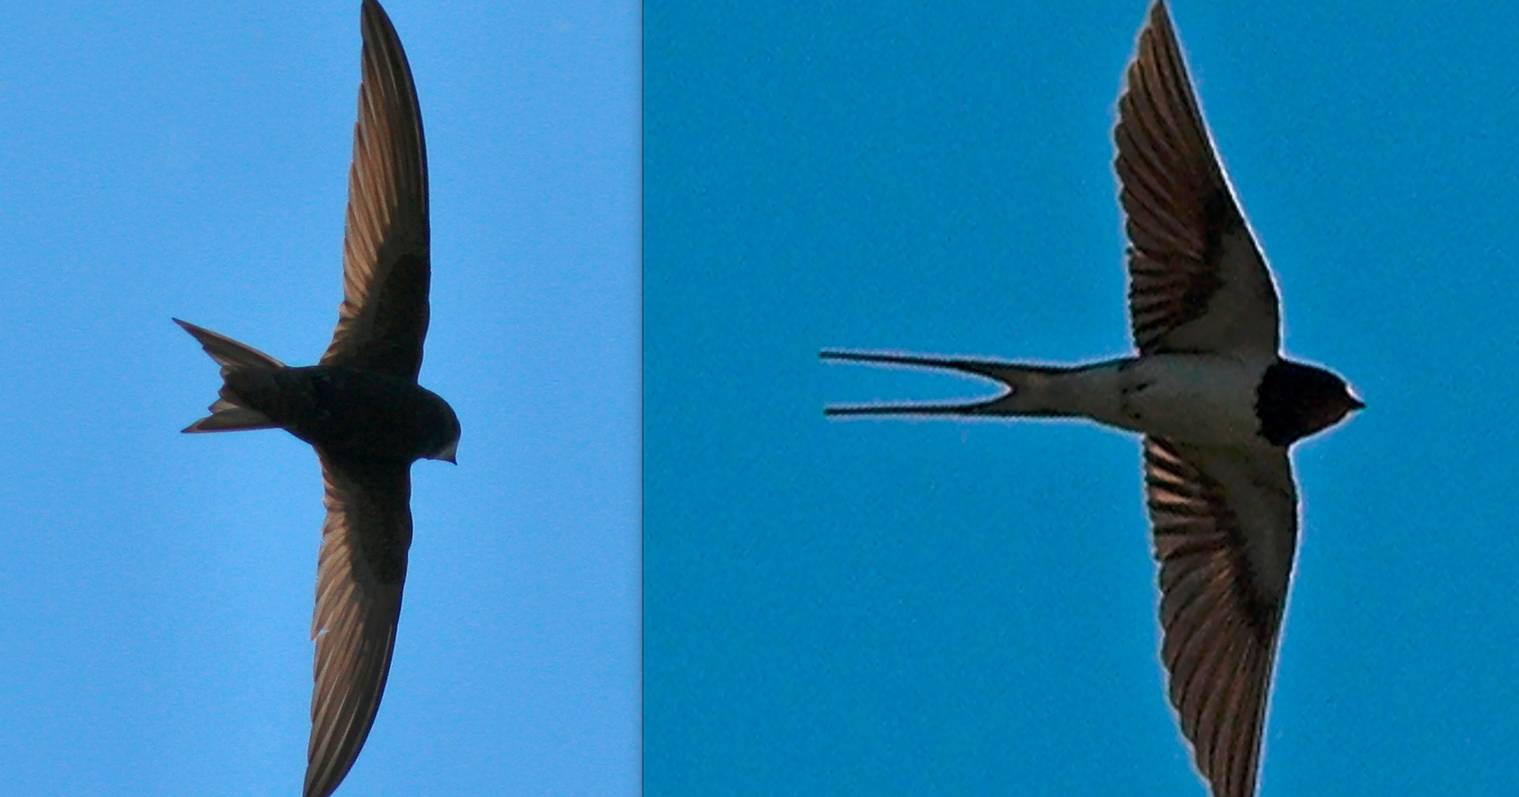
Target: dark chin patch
1294, 401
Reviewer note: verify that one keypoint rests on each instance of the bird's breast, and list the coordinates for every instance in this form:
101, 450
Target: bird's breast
1202, 399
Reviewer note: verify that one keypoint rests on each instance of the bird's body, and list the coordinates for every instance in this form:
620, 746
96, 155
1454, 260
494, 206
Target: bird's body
1218, 405
1200, 399
360, 408
348, 412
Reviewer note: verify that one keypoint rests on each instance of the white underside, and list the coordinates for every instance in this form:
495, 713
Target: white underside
1198, 399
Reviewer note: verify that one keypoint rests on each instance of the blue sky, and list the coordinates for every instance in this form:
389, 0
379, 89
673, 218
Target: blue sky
952, 608
156, 589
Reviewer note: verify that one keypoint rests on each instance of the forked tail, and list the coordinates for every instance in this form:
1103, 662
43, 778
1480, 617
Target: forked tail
1029, 390
229, 413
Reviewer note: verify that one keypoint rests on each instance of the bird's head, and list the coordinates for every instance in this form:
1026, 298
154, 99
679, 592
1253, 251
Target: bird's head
1336, 404
1297, 400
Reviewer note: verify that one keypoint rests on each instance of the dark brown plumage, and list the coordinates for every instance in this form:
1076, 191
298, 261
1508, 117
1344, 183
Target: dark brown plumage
360, 408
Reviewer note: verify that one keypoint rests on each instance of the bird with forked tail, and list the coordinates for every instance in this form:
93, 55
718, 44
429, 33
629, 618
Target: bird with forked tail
1217, 403
360, 407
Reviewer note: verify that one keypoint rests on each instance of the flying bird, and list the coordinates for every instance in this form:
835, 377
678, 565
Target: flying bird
360, 407
1218, 405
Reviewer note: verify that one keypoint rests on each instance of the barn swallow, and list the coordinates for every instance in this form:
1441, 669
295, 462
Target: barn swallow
1218, 405
360, 407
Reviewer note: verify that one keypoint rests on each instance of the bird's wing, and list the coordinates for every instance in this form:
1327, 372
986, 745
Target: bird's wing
1225, 525
360, 573
383, 317
1198, 282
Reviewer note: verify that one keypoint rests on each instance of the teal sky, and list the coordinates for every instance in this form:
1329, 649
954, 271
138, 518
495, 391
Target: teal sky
892, 607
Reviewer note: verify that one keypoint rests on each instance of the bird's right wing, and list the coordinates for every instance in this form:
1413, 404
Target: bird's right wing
1225, 525
1197, 279
386, 261
360, 573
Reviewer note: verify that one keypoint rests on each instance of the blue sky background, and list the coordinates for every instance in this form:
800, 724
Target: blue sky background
950, 608
156, 589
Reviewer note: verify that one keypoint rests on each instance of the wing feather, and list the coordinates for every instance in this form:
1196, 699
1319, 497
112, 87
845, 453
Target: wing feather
1197, 279
1225, 526
383, 318
360, 574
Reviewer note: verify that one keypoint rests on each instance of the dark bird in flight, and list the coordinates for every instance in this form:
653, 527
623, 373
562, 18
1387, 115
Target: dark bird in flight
360, 407
1217, 403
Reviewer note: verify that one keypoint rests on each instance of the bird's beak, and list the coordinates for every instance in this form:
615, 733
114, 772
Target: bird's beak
985, 369
1355, 401
449, 454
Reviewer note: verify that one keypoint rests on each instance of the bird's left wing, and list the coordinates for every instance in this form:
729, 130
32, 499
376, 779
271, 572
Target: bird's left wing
386, 262
360, 572
1225, 524
1197, 280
